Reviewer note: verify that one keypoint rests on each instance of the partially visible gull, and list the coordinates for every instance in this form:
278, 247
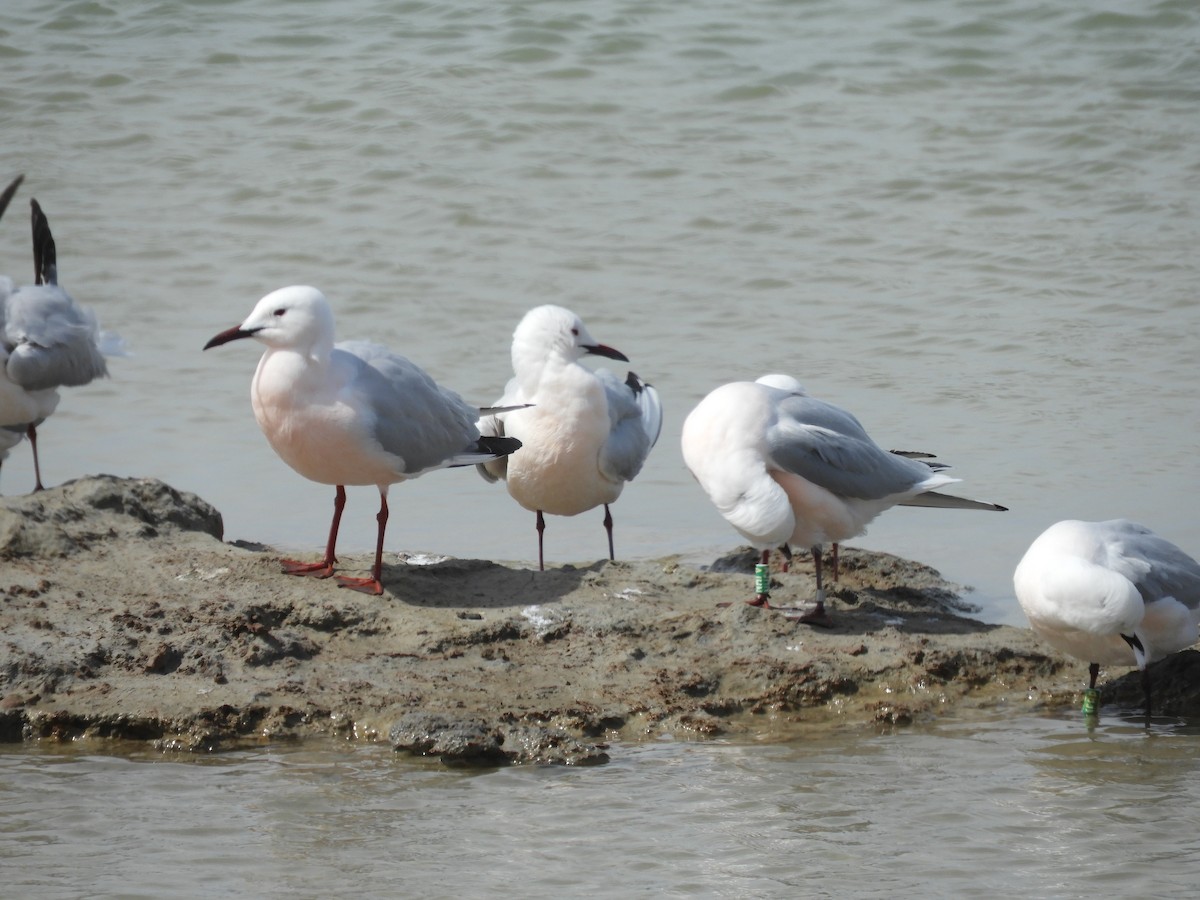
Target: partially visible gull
46, 341
1110, 593
784, 468
793, 386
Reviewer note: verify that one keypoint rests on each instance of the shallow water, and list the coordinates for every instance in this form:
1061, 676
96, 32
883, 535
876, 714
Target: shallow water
973, 224
1019, 804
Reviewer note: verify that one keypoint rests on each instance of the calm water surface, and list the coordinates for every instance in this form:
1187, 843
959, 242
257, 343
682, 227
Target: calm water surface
1018, 805
972, 223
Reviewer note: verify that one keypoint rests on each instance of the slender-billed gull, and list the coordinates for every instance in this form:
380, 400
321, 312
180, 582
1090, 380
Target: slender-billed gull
792, 385
354, 413
784, 468
46, 341
1110, 593
584, 433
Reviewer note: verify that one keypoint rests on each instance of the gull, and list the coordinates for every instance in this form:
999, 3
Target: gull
353, 413
46, 341
785, 468
792, 385
1110, 593
584, 434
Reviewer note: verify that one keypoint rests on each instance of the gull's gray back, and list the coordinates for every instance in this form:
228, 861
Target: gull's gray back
425, 424
828, 446
1156, 566
50, 341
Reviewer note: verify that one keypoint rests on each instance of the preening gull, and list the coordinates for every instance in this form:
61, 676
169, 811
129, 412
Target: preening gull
785, 469
584, 434
1110, 593
351, 414
46, 341
792, 385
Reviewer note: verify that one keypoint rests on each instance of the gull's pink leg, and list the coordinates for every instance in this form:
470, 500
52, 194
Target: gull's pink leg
372, 585
818, 616
324, 568
31, 433
835, 561
608, 528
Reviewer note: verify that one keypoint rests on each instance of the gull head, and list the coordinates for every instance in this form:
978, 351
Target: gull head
548, 332
291, 318
783, 383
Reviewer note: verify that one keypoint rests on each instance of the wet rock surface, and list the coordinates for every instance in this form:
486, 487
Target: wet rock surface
124, 617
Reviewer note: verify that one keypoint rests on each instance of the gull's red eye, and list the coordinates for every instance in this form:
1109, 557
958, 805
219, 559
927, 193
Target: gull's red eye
279, 312
575, 331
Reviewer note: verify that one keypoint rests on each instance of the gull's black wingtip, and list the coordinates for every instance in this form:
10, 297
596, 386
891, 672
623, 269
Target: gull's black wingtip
498, 446
9, 193
634, 383
45, 256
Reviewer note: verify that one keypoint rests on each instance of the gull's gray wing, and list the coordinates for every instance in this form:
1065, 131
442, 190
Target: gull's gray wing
635, 419
50, 341
826, 445
1156, 567
426, 425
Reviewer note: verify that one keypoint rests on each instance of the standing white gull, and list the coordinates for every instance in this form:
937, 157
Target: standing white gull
784, 468
584, 434
46, 341
793, 386
354, 413
1110, 593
